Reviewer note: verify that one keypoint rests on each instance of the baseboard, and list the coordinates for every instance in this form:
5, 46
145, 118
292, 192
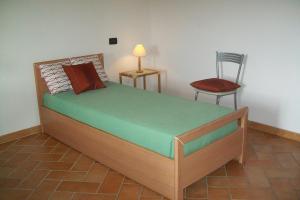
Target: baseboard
20, 134
275, 131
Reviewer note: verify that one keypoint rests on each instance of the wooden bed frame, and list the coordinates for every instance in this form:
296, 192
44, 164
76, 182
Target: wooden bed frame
166, 176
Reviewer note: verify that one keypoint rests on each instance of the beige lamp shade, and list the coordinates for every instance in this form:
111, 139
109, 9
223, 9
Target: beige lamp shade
139, 50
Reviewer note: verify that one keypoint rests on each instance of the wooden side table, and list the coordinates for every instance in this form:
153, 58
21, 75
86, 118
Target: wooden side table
146, 72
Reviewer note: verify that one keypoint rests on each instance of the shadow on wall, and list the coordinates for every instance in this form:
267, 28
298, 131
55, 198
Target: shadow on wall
152, 55
244, 69
269, 112
243, 85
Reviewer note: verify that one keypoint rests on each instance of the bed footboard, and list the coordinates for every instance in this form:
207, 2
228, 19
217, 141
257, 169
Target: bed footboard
191, 168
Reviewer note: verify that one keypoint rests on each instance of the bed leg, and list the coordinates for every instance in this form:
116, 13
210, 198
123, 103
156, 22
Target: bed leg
41, 118
179, 195
178, 158
42, 129
244, 121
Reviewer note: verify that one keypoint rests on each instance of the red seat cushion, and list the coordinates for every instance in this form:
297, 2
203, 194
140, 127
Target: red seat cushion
83, 77
215, 85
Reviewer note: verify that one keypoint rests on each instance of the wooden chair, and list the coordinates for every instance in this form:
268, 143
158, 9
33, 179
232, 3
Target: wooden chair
218, 86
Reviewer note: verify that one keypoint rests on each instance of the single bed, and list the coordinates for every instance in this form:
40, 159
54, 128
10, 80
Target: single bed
174, 140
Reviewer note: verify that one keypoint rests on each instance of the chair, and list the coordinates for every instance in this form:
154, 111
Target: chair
218, 86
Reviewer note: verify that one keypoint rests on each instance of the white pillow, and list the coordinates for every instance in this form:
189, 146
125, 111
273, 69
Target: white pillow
92, 58
55, 77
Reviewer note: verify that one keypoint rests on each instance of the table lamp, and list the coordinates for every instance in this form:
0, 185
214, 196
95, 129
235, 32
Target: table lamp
139, 51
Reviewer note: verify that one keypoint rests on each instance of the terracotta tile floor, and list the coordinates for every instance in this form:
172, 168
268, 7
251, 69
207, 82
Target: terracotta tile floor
40, 167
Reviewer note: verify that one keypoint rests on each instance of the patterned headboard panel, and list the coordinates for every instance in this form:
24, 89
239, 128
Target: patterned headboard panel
40, 84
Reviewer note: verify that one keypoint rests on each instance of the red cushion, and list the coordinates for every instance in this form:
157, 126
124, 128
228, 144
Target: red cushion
83, 77
92, 75
215, 85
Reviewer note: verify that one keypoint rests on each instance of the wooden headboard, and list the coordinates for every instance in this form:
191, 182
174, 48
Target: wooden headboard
40, 84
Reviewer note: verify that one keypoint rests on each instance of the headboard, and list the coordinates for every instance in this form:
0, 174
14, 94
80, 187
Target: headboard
40, 84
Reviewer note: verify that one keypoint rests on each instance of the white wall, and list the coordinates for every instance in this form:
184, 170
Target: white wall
186, 35
181, 37
37, 30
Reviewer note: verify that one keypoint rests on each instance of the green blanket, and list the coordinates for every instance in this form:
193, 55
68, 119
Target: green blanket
148, 119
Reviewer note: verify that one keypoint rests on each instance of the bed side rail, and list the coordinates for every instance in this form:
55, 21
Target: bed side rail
211, 126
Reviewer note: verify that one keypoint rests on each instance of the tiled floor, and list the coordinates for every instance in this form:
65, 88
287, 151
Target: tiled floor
40, 167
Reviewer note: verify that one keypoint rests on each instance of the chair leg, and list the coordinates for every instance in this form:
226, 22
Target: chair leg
235, 101
218, 100
196, 95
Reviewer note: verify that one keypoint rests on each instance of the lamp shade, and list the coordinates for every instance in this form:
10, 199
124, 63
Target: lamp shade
139, 50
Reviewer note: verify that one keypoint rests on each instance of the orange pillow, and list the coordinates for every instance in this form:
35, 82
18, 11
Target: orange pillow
83, 77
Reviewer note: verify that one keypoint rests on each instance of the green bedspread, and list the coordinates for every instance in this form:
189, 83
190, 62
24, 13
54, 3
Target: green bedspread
148, 119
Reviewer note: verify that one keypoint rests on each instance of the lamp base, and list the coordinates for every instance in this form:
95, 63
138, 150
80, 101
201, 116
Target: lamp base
139, 66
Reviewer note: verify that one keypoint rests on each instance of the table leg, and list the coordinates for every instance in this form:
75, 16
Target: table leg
144, 79
120, 79
134, 82
158, 83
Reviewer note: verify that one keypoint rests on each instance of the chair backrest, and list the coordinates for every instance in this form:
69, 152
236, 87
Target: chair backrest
229, 57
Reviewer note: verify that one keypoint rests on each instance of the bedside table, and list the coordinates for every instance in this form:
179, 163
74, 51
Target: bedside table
146, 72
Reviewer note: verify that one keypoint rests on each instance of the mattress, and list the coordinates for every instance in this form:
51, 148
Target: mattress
148, 119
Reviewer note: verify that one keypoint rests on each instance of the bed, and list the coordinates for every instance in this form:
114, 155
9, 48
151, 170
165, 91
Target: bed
175, 141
